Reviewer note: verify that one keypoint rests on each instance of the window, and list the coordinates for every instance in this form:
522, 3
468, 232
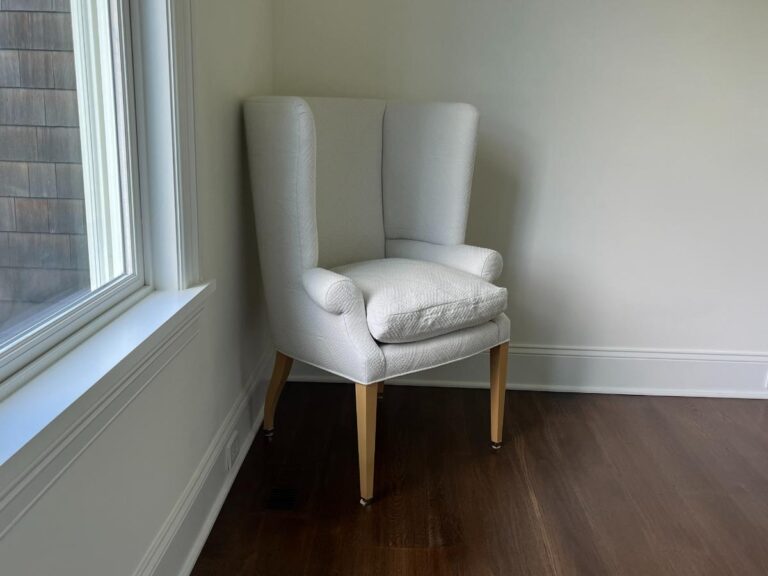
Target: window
70, 226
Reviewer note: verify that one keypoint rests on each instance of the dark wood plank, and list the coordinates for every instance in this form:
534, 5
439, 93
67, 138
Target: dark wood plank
585, 484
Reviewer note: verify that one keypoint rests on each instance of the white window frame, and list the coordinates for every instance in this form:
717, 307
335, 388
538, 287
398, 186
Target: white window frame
72, 392
156, 166
165, 110
39, 344
100, 101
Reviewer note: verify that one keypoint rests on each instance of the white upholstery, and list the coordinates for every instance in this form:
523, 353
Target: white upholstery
481, 262
404, 359
395, 182
412, 300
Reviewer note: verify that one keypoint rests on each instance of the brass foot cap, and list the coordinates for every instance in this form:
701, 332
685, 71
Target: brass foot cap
269, 432
495, 445
364, 502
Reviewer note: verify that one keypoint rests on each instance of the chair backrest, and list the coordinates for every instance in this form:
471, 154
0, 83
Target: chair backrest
334, 178
350, 216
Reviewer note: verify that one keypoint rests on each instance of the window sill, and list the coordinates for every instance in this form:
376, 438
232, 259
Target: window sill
49, 421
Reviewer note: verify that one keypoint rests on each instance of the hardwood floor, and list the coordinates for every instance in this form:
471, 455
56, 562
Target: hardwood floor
585, 484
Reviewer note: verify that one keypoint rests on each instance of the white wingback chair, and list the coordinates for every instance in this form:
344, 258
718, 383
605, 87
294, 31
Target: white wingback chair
361, 210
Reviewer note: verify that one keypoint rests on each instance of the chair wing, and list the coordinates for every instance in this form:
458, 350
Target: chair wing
281, 156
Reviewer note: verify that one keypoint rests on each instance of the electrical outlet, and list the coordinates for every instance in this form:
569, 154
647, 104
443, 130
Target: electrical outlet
232, 451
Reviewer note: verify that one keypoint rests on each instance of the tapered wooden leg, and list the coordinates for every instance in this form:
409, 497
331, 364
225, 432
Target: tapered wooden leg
380, 390
498, 390
279, 375
365, 400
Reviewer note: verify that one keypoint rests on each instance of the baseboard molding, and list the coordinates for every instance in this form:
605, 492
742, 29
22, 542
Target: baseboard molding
177, 545
600, 371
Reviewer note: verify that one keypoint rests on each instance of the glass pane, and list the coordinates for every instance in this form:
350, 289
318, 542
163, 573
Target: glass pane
48, 220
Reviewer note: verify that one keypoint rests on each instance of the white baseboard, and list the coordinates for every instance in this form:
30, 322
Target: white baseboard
177, 545
601, 371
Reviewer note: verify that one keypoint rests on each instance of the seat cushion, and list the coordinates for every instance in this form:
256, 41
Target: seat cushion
411, 300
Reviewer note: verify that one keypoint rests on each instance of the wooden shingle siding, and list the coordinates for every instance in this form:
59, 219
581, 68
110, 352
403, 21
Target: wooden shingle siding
5, 256
61, 108
31, 215
22, 107
6, 285
51, 31
43, 243
43, 250
35, 69
42, 180
9, 69
14, 179
35, 5
66, 216
15, 30
40, 284
58, 145
27, 5
69, 181
78, 251
63, 64
18, 143
39, 250
7, 215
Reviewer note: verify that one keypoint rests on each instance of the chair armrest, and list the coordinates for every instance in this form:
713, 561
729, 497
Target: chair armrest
335, 334
333, 292
482, 262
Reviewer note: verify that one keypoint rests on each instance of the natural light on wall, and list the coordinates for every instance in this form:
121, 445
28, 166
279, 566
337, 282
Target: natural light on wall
70, 230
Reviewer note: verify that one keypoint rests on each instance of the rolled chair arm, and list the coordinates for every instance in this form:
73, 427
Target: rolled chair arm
333, 292
482, 262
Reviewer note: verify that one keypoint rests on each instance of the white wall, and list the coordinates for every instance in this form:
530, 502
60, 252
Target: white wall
622, 165
105, 513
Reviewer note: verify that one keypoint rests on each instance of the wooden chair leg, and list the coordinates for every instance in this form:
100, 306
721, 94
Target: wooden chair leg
380, 390
280, 373
498, 389
365, 401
